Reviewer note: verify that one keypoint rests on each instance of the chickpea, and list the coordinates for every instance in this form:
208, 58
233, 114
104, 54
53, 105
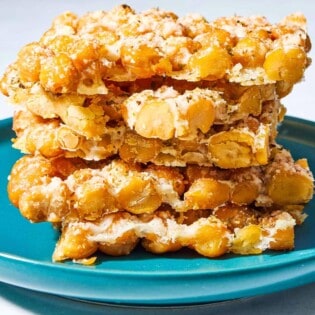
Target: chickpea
200, 115
155, 120
172, 175
45, 142
28, 62
87, 121
237, 148
158, 247
40, 203
289, 188
24, 175
67, 138
211, 63
93, 201
206, 193
231, 149
250, 52
123, 245
285, 64
137, 148
60, 43
211, 240
74, 244
244, 193
283, 88
140, 60
83, 52
58, 74
215, 36
250, 101
67, 18
283, 239
247, 240
139, 196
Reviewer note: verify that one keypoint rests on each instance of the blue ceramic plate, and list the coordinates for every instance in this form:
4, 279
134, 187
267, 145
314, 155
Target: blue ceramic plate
143, 278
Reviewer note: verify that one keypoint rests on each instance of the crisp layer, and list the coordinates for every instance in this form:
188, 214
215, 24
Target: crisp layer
250, 231
78, 54
197, 136
248, 146
185, 112
53, 189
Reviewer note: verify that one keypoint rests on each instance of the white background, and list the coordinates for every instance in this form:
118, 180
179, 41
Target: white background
24, 21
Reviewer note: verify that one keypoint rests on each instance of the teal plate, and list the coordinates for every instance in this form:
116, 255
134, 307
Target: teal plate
145, 279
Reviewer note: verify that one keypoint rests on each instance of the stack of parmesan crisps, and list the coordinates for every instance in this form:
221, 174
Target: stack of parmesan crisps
161, 130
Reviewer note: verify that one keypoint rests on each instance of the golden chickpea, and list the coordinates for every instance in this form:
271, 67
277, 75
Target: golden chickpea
289, 188
74, 244
283, 239
93, 201
139, 196
200, 115
206, 193
28, 62
231, 149
211, 63
303, 163
283, 88
193, 172
83, 52
137, 148
285, 64
140, 60
105, 39
58, 74
60, 43
163, 67
250, 52
222, 37
25, 175
122, 246
250, 101
247, 240
216, 36
172, 175
159, 247
155, 120
260, 34
244, 193
41, 204
211, 240
67, 138
46, 144
67, 18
